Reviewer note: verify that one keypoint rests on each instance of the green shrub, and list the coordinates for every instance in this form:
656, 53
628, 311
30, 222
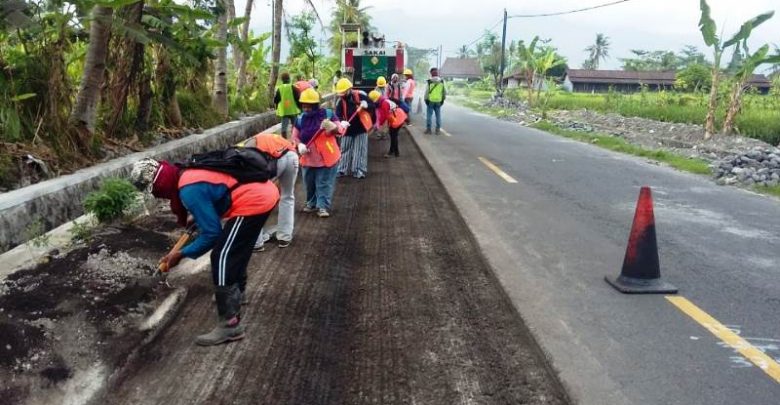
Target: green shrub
36, 234
111, 201
81, 231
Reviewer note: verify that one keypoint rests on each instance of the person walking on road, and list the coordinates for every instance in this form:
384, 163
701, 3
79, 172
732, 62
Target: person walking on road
354, 145
388, 111
408, 90
286, 173
314, 134
210, 196
435, 94
286, 101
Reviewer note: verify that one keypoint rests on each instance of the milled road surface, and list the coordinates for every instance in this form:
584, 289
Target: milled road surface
388, 301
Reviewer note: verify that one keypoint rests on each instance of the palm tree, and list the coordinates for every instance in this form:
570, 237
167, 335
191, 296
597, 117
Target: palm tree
597, 52
276, 41
84, 114
240, 56
464, 52
347, 11
220, 75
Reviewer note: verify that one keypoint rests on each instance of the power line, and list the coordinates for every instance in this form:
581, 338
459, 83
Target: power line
569, 11
485, 33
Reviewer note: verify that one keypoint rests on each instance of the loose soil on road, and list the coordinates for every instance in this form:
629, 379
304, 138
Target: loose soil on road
67, 323
387, 301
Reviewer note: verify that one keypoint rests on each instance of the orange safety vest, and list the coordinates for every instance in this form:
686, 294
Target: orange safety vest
273, 144
246, 199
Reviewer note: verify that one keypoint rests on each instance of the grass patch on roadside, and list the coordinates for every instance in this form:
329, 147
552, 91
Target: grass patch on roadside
775, 190
696, 166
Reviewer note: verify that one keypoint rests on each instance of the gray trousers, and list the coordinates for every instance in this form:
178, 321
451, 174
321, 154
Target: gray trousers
286, 174
354, 155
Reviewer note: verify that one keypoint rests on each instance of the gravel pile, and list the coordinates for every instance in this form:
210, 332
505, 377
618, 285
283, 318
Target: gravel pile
756, 167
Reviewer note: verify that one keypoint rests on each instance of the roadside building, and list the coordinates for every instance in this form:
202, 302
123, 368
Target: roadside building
461, 69
601, 81
517, 79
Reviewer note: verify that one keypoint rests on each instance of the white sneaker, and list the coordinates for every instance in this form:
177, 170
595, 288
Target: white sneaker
323, 213
308, 209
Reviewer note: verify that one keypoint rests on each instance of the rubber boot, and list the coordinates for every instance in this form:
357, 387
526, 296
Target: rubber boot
229, 326
225, 331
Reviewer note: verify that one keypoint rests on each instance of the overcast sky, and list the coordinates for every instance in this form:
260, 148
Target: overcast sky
636, 24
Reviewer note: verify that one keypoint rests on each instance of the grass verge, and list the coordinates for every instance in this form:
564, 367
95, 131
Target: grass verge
775, 190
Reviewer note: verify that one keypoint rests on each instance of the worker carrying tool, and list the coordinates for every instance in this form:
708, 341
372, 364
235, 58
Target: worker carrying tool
209, 195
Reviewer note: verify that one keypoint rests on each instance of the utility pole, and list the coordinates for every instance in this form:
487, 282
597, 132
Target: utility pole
503, 61
438, 65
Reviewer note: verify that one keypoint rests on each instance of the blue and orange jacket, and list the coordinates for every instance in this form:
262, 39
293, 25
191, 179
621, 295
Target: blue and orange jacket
208, 197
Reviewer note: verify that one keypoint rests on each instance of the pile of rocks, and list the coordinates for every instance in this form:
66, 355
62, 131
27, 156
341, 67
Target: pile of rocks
756, 167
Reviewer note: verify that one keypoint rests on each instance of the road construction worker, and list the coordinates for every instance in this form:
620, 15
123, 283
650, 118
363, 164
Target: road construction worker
210, 196
388, 111
408, 89
286, 172
435, 94
314, 134
381, 84
301, 84
286, 101
349, 106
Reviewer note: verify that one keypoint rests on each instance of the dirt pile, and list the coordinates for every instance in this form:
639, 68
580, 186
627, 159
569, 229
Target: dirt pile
77, 312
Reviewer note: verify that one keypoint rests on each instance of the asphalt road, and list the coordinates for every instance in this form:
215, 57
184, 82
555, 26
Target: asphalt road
552, 236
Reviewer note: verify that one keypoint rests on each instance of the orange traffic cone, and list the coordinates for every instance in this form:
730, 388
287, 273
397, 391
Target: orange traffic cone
641, 273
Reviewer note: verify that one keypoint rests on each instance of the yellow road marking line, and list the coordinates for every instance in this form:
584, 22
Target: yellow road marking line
496, 170
445, 132
750, 352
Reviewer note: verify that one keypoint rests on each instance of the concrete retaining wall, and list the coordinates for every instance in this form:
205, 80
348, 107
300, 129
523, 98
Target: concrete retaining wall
56, 201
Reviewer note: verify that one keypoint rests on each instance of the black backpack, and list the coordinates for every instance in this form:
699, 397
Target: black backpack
246, 165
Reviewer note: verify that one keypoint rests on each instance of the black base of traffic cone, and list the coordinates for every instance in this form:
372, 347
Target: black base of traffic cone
641, 272
630, 285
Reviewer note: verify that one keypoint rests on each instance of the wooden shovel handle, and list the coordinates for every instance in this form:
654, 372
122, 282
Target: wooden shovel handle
163, 267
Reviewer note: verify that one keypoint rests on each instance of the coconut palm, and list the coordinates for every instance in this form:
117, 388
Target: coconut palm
465, 52
597, 52
347, 11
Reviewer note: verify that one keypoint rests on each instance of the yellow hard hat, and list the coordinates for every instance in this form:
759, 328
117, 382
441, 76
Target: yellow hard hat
408, 71
374, 95
310, 96
381, 81
343, 85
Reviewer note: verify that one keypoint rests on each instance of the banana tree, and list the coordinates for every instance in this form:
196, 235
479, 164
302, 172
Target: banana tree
742, 76
543, 62
708, 31
527, 64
